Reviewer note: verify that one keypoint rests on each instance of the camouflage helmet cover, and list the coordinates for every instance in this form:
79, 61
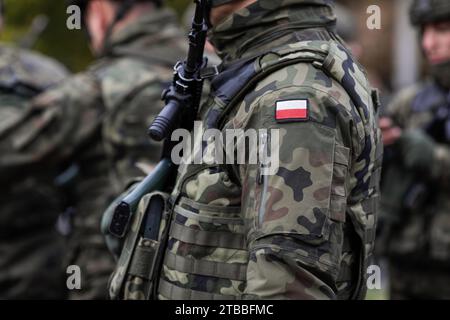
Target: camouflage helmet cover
426, 11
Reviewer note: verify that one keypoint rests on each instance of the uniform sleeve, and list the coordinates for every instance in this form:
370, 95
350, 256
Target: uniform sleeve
52, 127
296, 213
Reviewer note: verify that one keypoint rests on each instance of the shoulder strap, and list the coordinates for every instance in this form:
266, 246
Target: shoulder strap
231, 90
238, 79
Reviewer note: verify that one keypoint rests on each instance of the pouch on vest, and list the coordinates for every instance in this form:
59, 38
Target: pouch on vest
134, 275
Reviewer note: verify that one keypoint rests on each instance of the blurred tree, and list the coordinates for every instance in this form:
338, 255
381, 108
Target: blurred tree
57, 41
68, 46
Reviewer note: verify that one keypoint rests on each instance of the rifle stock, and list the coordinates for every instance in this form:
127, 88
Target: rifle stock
125, 209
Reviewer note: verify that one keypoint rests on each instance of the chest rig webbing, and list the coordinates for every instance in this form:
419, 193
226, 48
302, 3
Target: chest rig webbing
137, 274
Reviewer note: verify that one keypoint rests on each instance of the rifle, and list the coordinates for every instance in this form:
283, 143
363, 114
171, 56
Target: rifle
182, 103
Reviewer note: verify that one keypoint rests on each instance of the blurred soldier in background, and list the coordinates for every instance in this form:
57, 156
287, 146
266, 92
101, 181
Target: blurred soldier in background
30, 247
98, 120
416, 187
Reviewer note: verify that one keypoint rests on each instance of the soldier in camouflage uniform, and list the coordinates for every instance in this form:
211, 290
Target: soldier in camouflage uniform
305, 232
30, 247
96, 120
415, 193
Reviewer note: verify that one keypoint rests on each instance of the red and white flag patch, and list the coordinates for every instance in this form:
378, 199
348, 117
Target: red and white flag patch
292, 110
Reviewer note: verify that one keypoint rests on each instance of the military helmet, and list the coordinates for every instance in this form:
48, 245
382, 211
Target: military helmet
426, 11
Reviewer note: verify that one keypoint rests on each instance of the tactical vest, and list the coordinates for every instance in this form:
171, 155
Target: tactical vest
214, 234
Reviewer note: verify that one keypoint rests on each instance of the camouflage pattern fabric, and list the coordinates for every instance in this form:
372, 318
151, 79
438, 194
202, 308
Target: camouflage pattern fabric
307, 231
97, 121
419, 237
31, 249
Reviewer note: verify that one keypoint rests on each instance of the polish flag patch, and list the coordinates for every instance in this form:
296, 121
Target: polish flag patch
292, 110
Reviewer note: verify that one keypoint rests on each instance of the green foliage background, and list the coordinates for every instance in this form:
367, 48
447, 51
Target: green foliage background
68, 46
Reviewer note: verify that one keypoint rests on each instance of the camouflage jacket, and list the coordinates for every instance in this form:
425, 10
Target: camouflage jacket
29, 245
421, 233
303, 232
96, 123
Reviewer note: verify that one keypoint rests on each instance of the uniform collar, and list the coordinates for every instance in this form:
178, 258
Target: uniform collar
268, 23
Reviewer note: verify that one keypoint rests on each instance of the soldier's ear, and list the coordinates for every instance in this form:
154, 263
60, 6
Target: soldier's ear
99, 15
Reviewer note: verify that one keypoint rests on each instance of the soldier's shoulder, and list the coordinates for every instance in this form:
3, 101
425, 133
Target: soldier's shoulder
19, 66
328, 71
334, 89
121, 77
303, 81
